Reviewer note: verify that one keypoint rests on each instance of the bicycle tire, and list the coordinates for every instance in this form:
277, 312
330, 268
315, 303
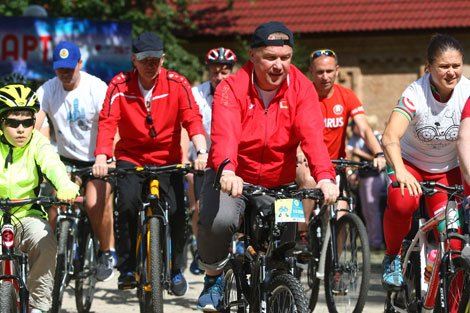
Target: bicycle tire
8, 303
85, 267
353, 275
286, 295
457, 282
156, 265
315, 249
61, 267
142, 269
464, 306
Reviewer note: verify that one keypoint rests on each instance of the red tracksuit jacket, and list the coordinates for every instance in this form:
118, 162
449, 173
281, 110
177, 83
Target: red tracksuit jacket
124, 109
261, 143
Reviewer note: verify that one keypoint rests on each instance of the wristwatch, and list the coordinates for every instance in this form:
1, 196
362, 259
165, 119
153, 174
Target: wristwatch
379, 154
202, 151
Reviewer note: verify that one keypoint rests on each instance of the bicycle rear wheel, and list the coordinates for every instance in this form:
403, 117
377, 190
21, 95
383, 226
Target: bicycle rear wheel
85, 268
347, 285
8, 297
60, 277
286, 295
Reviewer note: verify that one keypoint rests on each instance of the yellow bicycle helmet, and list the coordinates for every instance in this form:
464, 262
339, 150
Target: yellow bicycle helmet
18, 97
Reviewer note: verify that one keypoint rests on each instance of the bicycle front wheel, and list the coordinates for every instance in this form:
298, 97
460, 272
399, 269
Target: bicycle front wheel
156, 263
286, 295
347, 284
458, 294
60, 277
85, 267
8, 297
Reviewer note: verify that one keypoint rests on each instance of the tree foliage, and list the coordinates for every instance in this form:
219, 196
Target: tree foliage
160, 16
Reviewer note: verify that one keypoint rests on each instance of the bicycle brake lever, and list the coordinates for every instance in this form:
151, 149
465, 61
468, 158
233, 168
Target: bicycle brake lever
216, 184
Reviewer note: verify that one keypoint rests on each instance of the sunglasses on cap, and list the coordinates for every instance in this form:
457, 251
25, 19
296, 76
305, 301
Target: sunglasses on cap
317, 53
14, 123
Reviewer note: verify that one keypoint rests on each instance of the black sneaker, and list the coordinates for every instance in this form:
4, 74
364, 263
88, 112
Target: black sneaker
179, 285
127, 281
104, 268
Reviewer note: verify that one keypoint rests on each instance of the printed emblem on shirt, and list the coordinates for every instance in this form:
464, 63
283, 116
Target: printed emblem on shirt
283, 104
251, 106
334, 122
437, 130
338, 109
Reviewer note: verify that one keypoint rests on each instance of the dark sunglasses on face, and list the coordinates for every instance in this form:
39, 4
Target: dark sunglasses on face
317, 53
152, 131
14, 123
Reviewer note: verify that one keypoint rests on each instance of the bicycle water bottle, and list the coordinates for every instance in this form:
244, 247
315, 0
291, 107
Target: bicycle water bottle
429, 264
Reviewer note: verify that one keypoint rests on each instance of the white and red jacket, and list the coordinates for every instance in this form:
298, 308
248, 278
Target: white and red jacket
261, 143
124, 109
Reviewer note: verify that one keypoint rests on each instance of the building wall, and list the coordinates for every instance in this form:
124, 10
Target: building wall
378, 66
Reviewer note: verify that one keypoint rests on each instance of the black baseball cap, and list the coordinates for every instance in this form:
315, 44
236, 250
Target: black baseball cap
262, 32
147, 45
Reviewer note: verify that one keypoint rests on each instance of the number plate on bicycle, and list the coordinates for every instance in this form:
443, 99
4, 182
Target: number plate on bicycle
289, 210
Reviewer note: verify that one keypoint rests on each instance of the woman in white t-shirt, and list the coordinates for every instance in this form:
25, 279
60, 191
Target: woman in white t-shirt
420, 144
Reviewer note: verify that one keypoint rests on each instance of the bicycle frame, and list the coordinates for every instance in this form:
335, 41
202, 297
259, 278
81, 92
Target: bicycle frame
14, 262
331, 215
428, 290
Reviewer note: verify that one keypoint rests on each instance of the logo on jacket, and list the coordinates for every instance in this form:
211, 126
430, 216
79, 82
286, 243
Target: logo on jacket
338, 109
251, 106
283, 104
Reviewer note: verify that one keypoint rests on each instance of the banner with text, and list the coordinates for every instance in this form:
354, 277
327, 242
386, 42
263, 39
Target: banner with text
27, 44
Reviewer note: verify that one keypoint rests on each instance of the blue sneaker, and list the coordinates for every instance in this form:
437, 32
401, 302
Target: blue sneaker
179, 285
240, 248
194, 268
392, 278
212, 296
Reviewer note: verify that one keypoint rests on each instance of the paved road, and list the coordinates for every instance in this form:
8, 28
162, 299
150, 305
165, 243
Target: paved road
108, 299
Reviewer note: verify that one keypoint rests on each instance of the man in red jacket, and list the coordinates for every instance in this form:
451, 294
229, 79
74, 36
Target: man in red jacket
260, 115
148, 106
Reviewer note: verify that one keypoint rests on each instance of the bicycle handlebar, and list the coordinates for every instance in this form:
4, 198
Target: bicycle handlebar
429, 187
342, 163
286, 191
183, 168
39, 201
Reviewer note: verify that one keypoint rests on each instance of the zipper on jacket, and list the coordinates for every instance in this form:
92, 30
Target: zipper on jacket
265, 141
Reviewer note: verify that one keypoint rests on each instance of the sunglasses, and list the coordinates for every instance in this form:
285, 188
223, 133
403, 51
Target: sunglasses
317, 53
14, 123
152, 131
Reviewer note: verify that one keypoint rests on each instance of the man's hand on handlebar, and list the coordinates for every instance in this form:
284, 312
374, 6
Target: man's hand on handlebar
100, 168
231, 184
330, 191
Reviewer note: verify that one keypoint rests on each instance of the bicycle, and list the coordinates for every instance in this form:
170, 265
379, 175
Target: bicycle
14, 293
338, 251
77, 250
262, 279
153, 272
451, 268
